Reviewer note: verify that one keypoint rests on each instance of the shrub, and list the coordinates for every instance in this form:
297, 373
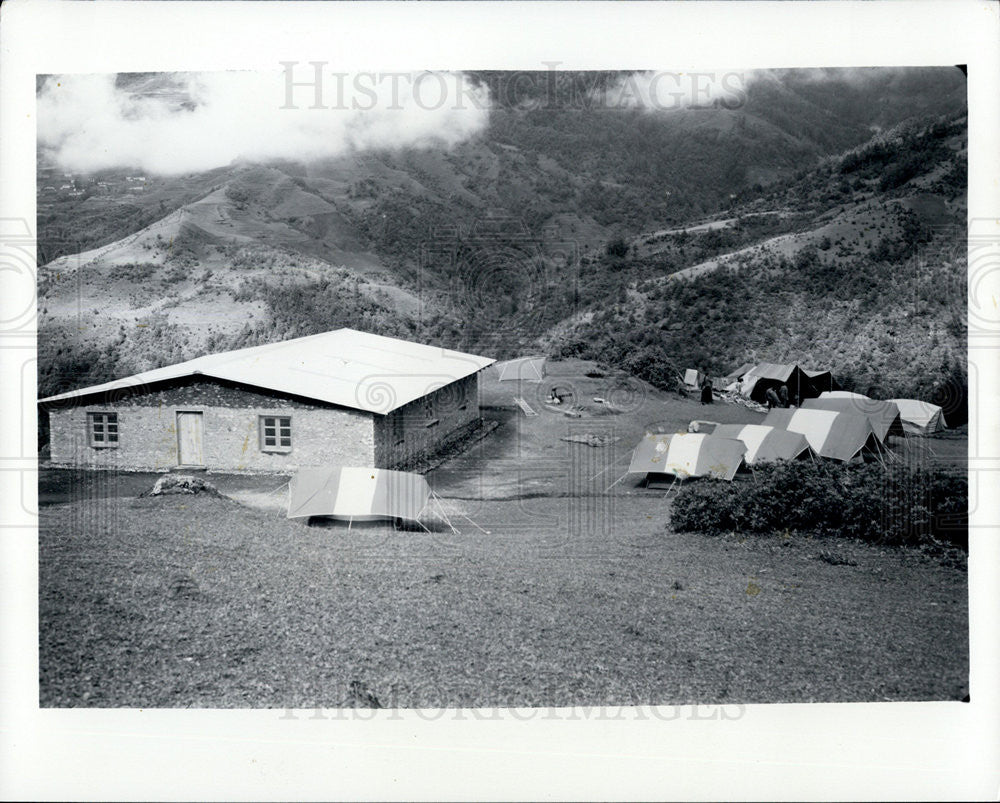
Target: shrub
898, 504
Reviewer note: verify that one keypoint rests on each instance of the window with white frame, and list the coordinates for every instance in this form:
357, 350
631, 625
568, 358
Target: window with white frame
275, 433
103, 429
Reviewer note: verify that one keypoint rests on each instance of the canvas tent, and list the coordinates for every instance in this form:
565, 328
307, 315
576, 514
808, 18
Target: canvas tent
882, 415
832, 434
920, 417
529, 368
732, 376
687, 455
801, 382
764, 443
357, 494
766, 375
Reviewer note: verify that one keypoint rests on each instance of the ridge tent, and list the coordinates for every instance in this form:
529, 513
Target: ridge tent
882, 415
732, 376
358, 494
920, 417
766, 375
687, 455
837, 435
765, 443
801, 382
529, 368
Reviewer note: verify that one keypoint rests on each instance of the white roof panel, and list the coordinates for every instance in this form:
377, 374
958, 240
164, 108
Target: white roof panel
344, 367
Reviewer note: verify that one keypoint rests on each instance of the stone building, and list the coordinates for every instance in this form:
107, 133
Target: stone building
341, 398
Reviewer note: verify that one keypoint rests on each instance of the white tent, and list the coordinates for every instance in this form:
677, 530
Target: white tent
832, 434
687, 455
357, 494
882, 415
529, 368
920, 417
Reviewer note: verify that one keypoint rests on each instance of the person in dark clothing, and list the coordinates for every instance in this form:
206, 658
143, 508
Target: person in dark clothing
772, 399
783, 395
706, 392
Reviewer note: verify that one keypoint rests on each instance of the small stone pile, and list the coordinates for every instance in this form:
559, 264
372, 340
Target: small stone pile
181, 484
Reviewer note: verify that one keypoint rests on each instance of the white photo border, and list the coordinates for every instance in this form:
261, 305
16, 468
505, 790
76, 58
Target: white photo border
869, 751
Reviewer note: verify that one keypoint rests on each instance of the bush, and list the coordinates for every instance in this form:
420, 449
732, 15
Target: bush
897, 504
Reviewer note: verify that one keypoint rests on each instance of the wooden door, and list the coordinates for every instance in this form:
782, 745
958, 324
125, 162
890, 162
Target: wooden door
189, 439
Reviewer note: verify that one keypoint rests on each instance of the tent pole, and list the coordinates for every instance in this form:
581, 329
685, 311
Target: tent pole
878, 452
350, 521
440, 507
437, 499
889, 456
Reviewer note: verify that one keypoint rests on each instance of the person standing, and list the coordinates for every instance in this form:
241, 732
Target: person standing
772, 399
706, 392
783, 395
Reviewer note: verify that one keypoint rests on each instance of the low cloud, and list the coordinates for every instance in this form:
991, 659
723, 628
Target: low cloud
186, 122
661, 90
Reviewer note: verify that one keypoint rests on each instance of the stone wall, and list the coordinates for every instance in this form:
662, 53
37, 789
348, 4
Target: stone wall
147, 424
423, 426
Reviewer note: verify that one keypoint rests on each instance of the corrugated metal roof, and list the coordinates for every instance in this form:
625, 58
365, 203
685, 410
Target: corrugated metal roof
345, 367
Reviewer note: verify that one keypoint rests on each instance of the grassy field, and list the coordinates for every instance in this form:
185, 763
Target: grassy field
198, 601
553, 592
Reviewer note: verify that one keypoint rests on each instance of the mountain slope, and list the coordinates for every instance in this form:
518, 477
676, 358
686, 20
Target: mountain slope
556, 227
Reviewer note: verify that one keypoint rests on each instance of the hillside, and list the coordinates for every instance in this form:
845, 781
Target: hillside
866, 276
557, 227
